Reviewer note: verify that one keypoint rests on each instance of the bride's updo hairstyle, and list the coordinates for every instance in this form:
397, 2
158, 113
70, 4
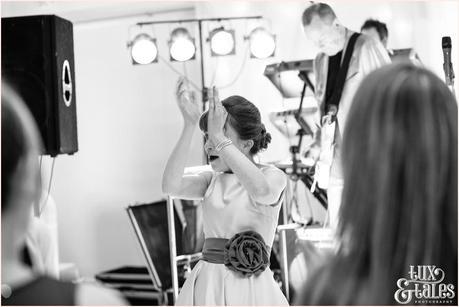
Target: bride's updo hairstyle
245, 118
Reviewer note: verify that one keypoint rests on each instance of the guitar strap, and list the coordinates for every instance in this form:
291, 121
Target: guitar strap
342, 73
323, 165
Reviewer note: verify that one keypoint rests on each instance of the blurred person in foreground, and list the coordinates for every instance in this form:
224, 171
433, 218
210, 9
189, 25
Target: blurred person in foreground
21, 188
399, 207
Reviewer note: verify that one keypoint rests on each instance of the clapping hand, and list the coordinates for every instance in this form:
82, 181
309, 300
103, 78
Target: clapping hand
186, 101
216, 118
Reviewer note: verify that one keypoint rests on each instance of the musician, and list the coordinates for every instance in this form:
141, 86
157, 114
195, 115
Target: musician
376, 29
334, 93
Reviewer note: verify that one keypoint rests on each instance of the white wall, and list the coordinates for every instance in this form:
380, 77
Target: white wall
127, 125
128, 121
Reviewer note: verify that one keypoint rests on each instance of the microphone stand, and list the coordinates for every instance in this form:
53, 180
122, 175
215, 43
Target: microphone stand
296, 174
300, 172
305, 129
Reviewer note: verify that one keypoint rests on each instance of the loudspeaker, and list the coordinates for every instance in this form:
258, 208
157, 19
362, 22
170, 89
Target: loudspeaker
37, 60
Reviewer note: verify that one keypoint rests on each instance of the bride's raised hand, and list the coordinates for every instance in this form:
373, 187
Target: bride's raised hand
217, 117
187, 103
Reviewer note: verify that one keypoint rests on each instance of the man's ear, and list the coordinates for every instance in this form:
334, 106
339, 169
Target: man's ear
336, 22
384, 42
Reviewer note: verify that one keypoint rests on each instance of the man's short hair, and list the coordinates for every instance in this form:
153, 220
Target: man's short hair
323, 10
379, 26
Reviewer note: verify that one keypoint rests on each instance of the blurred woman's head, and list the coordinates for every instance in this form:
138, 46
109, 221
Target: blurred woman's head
243, 126
400, 172
399, 203
20, 171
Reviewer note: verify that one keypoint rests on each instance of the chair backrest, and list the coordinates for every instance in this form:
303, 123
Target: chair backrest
151, 228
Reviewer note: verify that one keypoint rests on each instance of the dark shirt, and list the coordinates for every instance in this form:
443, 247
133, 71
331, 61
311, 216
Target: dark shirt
42, 291
334, 64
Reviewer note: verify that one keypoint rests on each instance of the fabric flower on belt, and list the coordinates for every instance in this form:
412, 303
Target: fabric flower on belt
247, 253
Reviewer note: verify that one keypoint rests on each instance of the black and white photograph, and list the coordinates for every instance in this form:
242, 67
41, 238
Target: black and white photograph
243, 153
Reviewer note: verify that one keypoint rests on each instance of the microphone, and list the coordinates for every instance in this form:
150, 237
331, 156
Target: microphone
447, 65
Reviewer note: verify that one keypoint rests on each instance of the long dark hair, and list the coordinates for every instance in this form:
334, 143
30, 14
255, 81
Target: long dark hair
399, 204
19, 139
245, 118
14, 144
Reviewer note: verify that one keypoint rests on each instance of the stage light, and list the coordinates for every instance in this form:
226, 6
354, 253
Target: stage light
222, 42
181, 45
262, 43
144, 49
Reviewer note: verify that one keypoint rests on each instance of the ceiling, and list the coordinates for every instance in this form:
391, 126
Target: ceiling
92, 11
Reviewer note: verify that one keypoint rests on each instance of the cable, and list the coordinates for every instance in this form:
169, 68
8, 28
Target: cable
185, 72
238, 75
49, 186
239, 72
179, 73
215, 71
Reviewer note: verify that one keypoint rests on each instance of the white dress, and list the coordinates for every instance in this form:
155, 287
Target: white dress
228, 210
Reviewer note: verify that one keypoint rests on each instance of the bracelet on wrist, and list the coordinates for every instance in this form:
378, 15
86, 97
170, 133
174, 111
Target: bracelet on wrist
223, 144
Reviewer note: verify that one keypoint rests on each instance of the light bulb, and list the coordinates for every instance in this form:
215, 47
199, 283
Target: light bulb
144, 50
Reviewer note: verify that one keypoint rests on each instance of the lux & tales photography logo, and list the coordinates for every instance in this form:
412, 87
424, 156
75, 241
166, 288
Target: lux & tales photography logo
425, 285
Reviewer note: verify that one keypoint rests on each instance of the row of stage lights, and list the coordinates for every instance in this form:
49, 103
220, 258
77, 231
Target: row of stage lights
144, 50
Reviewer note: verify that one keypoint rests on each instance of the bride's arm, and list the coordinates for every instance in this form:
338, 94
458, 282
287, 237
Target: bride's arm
174, 182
